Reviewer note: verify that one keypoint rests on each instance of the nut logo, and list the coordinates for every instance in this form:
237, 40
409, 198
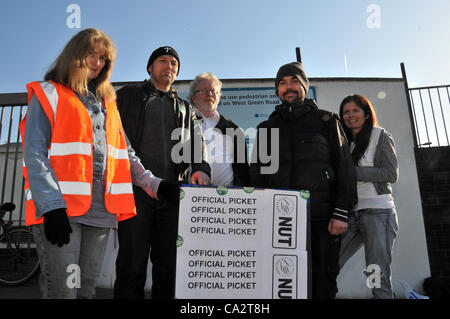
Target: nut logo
285, 266
284, 281
285, 205
284, 233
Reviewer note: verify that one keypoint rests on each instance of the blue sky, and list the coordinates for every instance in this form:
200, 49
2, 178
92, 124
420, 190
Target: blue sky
237, 38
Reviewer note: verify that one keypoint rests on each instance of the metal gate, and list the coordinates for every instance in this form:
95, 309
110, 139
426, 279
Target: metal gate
431, 113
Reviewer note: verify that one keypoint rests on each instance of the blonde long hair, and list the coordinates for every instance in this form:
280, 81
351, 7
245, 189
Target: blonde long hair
70, 67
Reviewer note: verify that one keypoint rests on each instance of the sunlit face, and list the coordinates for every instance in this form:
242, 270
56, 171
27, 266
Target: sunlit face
290, 89
95, 61
354, 117
164, 69
206, 97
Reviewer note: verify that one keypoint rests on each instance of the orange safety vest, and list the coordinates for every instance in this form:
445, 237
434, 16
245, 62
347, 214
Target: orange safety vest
71, 157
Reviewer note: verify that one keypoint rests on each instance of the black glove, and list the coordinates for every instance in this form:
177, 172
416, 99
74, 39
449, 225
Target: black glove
56, 227
169, 191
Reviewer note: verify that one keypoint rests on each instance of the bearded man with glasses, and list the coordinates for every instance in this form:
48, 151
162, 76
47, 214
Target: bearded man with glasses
225, 141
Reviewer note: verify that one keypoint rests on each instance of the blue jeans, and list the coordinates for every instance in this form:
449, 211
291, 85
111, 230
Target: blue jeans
71, 271
376, 229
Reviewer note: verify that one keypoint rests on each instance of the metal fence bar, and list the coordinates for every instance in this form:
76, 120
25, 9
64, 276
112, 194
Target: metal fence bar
408, 102
415, 118
448, 98
1, 121
433, 108
6, 157
434, 118
443, 116
424, 117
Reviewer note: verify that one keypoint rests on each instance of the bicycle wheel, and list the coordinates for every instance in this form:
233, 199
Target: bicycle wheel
18, 257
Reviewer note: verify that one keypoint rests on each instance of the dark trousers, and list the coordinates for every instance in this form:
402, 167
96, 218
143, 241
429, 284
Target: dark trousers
324, 261
153, 231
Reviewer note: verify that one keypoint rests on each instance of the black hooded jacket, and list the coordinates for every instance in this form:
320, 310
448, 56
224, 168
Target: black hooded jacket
313, 155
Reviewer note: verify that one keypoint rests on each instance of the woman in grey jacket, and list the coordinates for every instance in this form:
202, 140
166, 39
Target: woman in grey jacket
373, 221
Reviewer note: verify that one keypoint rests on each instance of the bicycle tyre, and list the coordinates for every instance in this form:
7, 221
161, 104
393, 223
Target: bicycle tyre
19, 261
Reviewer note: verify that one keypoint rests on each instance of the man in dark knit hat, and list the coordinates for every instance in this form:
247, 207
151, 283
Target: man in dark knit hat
157, 122
314, 156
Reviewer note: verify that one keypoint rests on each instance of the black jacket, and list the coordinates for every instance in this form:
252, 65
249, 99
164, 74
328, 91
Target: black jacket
313, 155
149, 118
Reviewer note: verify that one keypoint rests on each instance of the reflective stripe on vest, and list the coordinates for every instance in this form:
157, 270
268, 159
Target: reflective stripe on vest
119, 188
117, 153
52, 96
61, 149
70, 153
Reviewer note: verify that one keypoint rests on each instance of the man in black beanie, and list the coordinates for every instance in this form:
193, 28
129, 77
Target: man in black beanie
151, 114
163, 51
314, 155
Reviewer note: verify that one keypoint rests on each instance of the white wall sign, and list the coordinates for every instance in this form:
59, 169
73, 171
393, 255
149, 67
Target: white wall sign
249, 106
241, 243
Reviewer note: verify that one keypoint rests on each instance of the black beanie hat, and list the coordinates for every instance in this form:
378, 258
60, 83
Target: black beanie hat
163, 51
292, 69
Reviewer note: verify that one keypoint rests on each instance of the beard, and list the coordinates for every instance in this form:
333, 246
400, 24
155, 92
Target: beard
297, 101
207, 109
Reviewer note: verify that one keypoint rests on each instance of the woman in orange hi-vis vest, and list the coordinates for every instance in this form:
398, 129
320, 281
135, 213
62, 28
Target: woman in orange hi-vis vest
78, 166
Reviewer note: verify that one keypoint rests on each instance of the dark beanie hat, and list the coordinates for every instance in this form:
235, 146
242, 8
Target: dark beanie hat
163, 51
292, 69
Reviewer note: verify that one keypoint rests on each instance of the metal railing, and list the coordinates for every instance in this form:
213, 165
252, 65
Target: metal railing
12, 110
431, 112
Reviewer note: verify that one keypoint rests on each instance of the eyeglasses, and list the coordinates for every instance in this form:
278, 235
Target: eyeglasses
212, 92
